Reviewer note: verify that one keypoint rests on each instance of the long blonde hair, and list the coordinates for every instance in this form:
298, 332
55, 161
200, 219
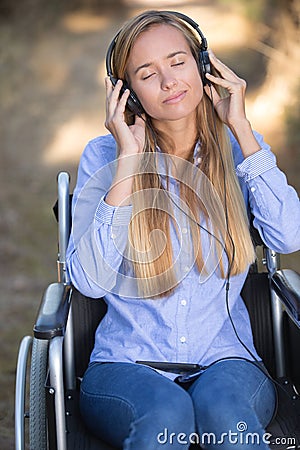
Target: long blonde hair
221, 205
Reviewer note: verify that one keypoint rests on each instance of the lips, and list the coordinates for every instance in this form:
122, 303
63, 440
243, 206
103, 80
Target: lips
175, 98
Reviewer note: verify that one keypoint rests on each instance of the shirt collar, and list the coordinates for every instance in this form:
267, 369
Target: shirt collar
196, 155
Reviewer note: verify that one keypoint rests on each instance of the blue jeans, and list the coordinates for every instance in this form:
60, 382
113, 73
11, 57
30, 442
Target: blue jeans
135, 408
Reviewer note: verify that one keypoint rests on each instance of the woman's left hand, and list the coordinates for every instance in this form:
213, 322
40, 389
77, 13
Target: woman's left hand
230, 109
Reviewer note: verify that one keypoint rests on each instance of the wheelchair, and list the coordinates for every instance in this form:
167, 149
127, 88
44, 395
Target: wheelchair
52, 361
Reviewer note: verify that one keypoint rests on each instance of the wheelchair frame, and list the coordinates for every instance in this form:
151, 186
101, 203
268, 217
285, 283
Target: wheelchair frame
53, 365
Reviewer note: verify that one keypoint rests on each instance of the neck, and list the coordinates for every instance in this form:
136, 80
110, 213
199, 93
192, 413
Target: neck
180, 136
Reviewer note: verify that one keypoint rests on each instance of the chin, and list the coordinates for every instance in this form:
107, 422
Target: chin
175, 112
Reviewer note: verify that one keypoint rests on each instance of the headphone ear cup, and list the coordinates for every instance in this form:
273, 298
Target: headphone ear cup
205, 66
134, 104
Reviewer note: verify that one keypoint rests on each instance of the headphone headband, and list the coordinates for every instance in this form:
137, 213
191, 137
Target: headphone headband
109, 55
193, 24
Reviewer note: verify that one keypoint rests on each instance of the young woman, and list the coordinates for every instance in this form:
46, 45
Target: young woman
161, 231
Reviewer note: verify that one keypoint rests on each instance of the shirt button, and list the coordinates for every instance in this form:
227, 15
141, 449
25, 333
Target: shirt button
184, 230
183, 302
253, 189
113, 236
183, 339
186, 269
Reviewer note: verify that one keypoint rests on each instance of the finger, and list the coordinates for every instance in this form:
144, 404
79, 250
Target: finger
107, 81
117, 89
123, 100
108, 85
112, 99
224, 70
232, 86
109, 89
211, 92
115, 115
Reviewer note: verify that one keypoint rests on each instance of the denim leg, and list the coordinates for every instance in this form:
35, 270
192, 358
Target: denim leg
236, 398
131, 406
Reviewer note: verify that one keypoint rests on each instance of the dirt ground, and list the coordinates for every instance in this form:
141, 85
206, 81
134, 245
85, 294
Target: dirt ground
52, 103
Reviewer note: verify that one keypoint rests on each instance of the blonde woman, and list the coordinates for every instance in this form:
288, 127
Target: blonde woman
161, 232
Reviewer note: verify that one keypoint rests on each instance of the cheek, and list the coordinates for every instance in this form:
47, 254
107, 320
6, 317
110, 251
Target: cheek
151, 107
147, 97
197, 83
198, 93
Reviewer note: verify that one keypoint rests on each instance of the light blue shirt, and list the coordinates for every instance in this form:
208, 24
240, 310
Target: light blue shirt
192, 324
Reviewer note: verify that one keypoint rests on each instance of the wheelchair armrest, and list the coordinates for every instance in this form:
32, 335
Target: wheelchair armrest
53, 313
286, 283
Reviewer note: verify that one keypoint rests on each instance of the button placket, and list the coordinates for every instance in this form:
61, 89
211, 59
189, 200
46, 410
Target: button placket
182, 336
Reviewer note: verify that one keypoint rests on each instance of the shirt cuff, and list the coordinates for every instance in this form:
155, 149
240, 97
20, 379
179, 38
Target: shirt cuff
256, 164
113, 215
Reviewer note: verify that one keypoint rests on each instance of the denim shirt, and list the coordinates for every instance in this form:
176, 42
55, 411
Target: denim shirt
192, 323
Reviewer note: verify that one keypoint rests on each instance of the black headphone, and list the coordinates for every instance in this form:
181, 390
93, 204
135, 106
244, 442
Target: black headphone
133, 102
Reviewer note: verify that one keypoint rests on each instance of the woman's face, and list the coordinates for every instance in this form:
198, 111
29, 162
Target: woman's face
164, 74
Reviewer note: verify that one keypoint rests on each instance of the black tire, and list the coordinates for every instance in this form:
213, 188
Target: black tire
37, 397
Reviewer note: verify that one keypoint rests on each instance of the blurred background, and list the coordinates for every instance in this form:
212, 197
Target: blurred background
52, 102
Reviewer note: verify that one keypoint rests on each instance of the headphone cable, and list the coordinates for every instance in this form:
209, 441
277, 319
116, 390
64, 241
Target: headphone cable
230, 262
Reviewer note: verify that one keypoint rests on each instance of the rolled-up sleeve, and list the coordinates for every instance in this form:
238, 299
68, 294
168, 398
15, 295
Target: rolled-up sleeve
95, 263
99, 233
273, 202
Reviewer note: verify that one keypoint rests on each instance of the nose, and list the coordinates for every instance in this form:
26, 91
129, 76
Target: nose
168, 81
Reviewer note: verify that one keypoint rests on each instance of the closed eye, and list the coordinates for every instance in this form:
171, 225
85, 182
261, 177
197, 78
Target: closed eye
148, 76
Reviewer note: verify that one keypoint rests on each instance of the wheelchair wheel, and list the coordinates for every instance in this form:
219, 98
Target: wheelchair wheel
37, 396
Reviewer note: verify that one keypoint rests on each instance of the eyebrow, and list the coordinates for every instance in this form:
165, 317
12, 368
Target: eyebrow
170, 55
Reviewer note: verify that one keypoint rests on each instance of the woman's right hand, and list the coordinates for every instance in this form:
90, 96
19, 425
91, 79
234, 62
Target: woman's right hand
130, 139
